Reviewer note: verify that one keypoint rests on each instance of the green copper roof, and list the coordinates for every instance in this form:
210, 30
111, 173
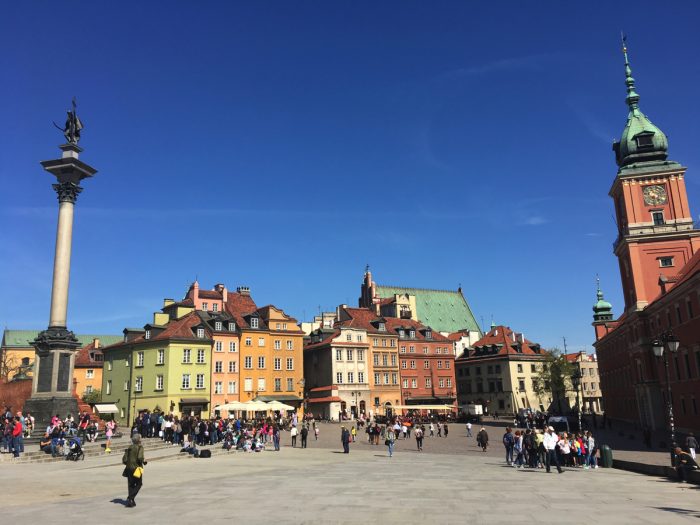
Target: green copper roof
442, 310
602, 310
641, 140
22, 338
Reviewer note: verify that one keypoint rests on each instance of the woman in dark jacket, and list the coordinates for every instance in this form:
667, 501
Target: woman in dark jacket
133, 458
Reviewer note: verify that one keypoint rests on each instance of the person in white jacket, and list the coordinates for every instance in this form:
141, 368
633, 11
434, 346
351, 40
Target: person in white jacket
550, 448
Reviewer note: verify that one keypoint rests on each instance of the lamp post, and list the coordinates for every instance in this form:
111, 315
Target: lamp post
576, 382
669, 341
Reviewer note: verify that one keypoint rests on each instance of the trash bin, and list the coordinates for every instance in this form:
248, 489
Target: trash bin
606, 457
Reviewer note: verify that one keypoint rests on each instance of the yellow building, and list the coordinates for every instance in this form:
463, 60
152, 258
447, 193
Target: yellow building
87, 374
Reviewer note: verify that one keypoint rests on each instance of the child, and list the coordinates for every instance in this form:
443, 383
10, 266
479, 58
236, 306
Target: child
353, 432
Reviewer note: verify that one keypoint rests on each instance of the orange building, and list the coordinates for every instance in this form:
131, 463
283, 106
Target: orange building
87, 376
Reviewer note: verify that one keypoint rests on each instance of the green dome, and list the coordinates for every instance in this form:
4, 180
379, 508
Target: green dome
640, 140
602, 310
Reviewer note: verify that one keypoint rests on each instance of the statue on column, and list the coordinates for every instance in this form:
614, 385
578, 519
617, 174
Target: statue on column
73, 125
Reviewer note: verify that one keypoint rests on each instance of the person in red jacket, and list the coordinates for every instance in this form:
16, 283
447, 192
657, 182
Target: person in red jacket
16, 437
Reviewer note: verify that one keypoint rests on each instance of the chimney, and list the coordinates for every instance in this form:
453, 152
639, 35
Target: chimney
520, 337
243, 290
96, 342
167, 302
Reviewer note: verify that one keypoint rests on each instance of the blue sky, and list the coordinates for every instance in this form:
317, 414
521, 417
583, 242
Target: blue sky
284, 145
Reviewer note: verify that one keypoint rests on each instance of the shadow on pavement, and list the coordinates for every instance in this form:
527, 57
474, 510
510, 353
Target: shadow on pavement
119, 501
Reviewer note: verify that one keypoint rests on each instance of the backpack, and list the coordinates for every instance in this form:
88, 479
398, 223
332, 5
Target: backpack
508, 439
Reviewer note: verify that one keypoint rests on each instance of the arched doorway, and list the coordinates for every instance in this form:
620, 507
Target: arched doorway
388, 411
362, 407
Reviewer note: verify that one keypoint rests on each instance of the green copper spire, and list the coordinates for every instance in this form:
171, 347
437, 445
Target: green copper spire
641, 141
602, 310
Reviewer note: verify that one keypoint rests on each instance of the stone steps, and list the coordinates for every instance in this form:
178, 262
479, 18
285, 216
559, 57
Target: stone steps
91, 450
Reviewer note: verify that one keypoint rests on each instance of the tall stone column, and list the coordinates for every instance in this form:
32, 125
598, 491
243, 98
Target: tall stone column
56, 346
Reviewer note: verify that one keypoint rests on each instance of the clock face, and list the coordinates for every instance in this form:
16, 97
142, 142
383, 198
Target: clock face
655, 195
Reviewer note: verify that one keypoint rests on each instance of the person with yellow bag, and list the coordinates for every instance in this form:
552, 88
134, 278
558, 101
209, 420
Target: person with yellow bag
133, 471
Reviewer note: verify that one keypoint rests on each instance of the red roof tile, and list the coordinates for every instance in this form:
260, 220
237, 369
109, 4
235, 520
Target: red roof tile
210, 294
503, 338
82, 358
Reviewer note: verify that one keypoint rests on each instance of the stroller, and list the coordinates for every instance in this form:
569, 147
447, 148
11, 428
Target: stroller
75, 450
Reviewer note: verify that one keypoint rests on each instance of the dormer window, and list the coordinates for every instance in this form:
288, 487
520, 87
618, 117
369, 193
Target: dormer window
382, 327
200, 333
232, 327
428, 334
412, 334
254, 322
645, 141
147, 334
402, 333
218, 326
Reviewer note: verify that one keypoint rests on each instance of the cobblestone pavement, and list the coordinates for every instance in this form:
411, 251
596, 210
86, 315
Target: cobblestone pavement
322, 485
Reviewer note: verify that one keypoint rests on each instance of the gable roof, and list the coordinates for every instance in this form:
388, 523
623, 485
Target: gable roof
23, 338
506, 343
82, 358
444, 310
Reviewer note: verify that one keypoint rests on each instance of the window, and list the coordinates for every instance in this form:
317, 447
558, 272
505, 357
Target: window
218, 387
665, 262
339, 378
447, 365
439, 363
284, 326
218, 367
441, 383
414, 383
404, 364
426, 364
218, 326
159, 382
254, 322
425, 349
411, 349
185, 381
278, 384
428, 334
219, 346
126, 361
351, 377
261, 341
109, 387
215, 308
412, 334
205, 306
278, 326
126, 385
385, 360
248, 384
402, 333
402, 349
200, 381
404, 383
278, 363
449, 382
160, 356
393, 359
200, 356
200, 333
290, 384
375, 341
413, 364
290, 363
349, 354
657, 217
186, 355
109, 364
360, 377
338, 354
386, 378
376, 379
382, 327
428, 382
147, 335
359, 338
261, 383
394, 378
348, 337
232, 328
521, 384
376, 359
261, 362
290, 344
520, 369
139, 359
248, 362
90, 374
232, 367
248, 341
278, 344
231, 387
383, 342
232, 346
360, 355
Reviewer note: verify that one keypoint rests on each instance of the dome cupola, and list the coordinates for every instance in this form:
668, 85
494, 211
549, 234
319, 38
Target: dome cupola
641, 140
602, 310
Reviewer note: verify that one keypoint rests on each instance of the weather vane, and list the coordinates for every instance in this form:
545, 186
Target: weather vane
73, 125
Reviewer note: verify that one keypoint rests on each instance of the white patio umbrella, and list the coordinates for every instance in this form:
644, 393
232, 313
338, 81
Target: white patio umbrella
234, 405
278, 405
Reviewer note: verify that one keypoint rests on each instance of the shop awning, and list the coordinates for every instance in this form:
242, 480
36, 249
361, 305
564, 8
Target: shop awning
194, 401
107, 408
424, 407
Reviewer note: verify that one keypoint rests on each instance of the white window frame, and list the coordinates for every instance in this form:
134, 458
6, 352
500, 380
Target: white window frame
199, 382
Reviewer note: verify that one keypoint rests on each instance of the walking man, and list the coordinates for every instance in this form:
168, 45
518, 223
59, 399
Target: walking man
345, 439
550, 446
293, 433
509, 443
304, 435
469, 429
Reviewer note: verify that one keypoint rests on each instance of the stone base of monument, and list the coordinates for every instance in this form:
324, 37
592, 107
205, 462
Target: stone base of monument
44, 408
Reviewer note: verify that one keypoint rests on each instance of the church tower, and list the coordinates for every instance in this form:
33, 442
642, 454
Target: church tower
656, 236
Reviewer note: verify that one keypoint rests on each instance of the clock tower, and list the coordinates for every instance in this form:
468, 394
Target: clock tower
656, 236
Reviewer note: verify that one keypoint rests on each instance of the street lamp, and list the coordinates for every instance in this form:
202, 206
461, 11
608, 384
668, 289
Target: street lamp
672, 343
576, 381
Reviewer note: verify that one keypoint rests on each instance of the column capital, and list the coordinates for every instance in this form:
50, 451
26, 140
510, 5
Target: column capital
67, 191
55, 338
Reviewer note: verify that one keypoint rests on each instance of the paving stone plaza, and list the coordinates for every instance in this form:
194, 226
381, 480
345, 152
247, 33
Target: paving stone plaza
451, 482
